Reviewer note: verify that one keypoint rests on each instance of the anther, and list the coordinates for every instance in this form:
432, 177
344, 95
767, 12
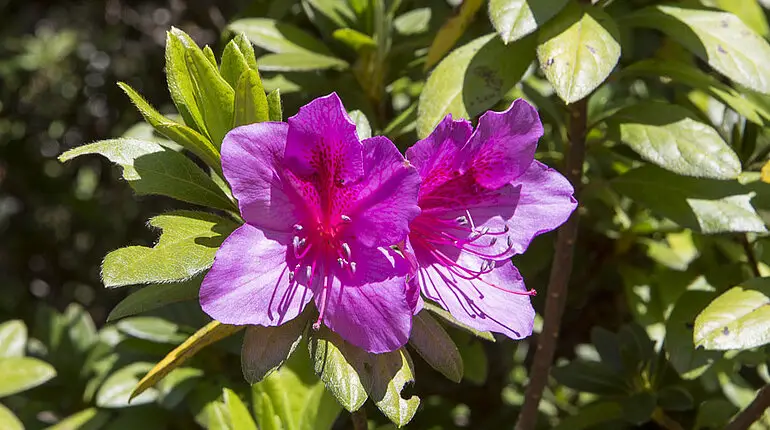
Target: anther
346, 250
345, 218
297, 227
295, 242
493, 241
341, 261
291, 276
353, 267
308, 273
461, 220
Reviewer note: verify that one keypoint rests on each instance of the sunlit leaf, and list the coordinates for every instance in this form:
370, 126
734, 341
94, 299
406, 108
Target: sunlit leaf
23, 373
240, 419
8, 420
299, 62
514, 19
13, 338
250, 100
153, 329
275, 111
180, 83
115, 392
278, 37
87, 419
155, 296
451, 31
215, 96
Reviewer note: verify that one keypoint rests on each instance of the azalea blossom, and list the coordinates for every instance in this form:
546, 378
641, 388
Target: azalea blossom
483, 198
322, 210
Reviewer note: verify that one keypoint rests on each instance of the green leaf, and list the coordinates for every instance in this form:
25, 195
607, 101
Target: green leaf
363, 129
435, 346
718, 38
209, 56
667, 135
689, 75
250, 100
577, 50
175, 387
355, 40
23, 373
473, 355
186, 247
675, 398
749, 11
391, 372
13, 338
334, 361
704, 205
87, 419
180, 83
151, 169
714, 414
608, 347
213, 94
115, 392
292, 398
688, 361
275, 112
299, 62
153, 329
267, 348
155, 296
591, 377
472, 79
233, 64
279, 37
247, 49
638, 407
514, 19
184, 136
738, 319
451, 31
8, 420
592, 415
329, 14
413, 22
448, 318
240, 419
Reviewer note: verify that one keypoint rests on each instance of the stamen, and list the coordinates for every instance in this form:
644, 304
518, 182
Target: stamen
297, 227
345, 218
341, 262
462, 220
346, 251
353, 267
324, 294
308, 273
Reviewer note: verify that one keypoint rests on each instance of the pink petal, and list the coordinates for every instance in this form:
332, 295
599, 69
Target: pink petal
322, 140
370, 309
251, 161
437, 157
387, 196
249, 281
503, 145
478, 304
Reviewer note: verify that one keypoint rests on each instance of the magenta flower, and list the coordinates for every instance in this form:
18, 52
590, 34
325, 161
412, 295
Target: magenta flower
483, 198
322, 210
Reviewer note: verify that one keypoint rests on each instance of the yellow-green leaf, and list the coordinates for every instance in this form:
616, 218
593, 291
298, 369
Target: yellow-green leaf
250, 100
451, 31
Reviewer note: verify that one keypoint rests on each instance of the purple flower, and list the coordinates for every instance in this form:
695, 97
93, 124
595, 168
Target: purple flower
322, 210
483, 198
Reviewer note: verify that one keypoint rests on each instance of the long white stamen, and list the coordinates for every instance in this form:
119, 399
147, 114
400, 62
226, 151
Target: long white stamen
346, 251
345, 218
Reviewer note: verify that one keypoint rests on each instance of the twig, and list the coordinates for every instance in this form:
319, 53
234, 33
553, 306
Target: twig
560, 275
753, 412
359, 419
750, 256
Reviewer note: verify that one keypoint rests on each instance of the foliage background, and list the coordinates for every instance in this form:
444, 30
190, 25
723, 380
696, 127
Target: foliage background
636, 273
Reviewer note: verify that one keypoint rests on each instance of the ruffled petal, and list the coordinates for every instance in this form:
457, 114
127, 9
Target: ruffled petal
322, 141
370, 308
249, 281
252, 161
386, 198
503, 145
483, 303
437, 156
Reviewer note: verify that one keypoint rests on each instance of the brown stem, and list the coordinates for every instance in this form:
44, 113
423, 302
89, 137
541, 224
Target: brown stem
560, 274
750, 256
753, 412
359, 419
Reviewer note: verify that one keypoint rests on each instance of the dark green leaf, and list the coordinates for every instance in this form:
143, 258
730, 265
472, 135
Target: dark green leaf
592, 415
514, 19
688, 361
473, 356
250, 100
267, 348
638, 408
591, 377
214, 95
608, 347
675, 398
186, 247
447, 317
435, 346
23, 373
155, 296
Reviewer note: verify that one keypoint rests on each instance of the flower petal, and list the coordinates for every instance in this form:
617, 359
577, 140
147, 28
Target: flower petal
387, 196
437, 156
370, 309
322, 140
252, 161
249, 281
503, 145
479, 304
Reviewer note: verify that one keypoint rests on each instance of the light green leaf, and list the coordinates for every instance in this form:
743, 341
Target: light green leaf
704, 205
577, 50
363, 129
8, 420
186, 247
591, 377
275, 111
688, 361
213, 94
329, 14
749, 11
334, 361
447, 317
267, 348
155, 296
719, 38
87, 419
472, 79
209, 55
23, 373
13, 338
153, 329
391, 372
413, 22
451, 31
714, 414
115, 392
514, 19
240, 419
183, 135
667, 135
250, 100
151, 169
80, 327
233, 63
738, 319
264, 410
299, 62
435, 346
355, 40
180, 83
278, 37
